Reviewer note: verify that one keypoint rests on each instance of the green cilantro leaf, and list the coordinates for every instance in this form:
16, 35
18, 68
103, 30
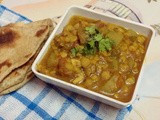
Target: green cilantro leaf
105, 44
88, 50
96, 42
98, 37
102, 46
91, 30
74, 51
92, 43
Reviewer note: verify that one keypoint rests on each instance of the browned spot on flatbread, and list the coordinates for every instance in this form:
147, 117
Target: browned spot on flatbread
28, 55
7, 36
5, 63
40, 32
30, 75
16, 73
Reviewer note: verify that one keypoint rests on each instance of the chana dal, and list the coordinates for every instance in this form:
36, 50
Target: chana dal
99, 56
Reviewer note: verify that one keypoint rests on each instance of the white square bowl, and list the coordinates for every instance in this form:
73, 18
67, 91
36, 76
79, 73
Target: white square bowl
75, 10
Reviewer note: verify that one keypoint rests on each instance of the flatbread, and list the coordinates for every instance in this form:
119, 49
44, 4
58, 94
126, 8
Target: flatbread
16, 76
28, 77
21, 74
19, 42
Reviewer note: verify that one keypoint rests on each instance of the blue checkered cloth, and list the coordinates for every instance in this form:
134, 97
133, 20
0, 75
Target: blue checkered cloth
39, 100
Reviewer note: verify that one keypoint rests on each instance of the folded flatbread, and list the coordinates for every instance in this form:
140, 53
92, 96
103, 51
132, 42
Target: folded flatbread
18, 76
19, 45
27, 77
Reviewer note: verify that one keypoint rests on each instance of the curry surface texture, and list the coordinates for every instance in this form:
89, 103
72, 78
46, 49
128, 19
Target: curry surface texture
99, 56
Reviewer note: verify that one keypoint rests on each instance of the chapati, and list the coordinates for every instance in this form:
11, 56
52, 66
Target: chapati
19, 42
19, 45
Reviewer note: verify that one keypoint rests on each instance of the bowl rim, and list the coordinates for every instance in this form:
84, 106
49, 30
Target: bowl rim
47, 44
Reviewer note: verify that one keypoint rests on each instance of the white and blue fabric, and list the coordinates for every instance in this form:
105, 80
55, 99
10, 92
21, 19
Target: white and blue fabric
39, 100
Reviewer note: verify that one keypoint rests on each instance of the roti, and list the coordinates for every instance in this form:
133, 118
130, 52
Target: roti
19, 43
27, 77
17, 76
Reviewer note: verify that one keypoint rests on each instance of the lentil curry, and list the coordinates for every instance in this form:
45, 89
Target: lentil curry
102, 57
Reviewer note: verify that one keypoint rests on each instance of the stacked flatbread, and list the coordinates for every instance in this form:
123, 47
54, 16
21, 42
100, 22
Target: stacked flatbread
19, 46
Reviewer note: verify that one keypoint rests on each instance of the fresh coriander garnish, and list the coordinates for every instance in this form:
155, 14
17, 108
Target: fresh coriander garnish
88, 50
95, 42
105, 44
74, 51
91, 30
98, 37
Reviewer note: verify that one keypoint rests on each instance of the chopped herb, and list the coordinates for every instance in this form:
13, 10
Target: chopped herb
91, 43
102, 46
88, 50
74, 51
98, 37
105, 44
91, 30
96, 42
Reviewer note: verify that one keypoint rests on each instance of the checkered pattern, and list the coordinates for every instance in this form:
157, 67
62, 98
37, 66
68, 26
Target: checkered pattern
39, 100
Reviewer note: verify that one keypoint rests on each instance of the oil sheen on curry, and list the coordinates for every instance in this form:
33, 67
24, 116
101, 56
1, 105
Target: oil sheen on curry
99, 56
